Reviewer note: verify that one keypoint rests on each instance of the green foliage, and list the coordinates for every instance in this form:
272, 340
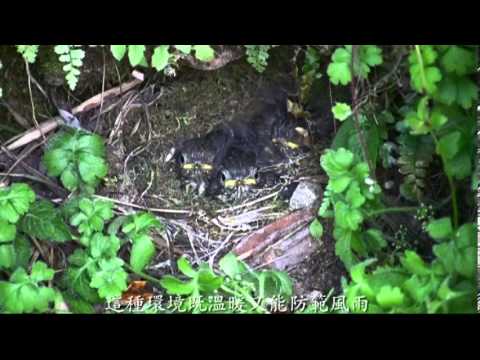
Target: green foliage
339, 70
424, 73
416, 154
136, 228
254, 289
24, 293
351, 193
257, 56
447, 285
341, 111
14, 202
72, 56
91, 217
162, 54
45, 222
29, 52
78, 158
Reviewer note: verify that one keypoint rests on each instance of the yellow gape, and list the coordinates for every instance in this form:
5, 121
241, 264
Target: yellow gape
192, 166
286, 143
231, 183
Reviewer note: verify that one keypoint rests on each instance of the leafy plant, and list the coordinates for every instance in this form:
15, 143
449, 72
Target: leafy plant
254, 289
339, 70
257, 56
25, 293
72, 56
29, 52
77, 158
136, 228
341, 111
447, 285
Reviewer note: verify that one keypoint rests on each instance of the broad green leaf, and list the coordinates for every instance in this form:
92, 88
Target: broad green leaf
389, 297
160, 57
176, 287
186, 49
136, 54
440, 229
142, 252
7, 256
7, 231
459, 60
204, 52
111, 280
449, 145
118, 51
231, 266
414, 263
15, 201
185, 267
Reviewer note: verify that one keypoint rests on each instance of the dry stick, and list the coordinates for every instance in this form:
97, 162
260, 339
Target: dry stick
20, 159
361, 136
31, 100
249, 203
52, 124
55, 188
103, 90
124, 203
16, 116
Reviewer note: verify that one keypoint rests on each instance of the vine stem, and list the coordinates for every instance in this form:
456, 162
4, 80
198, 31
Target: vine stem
358, 128
391, 210
422, 70
143, 275
451, 183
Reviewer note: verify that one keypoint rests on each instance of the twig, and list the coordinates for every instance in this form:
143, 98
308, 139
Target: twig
52, 124
248, 203
31, 100
124, 203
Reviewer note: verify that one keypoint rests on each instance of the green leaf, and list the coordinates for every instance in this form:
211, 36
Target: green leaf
177, 287
389, 297
316, 229
459, 60
414, 263
23, 251
449, 145
7, 256
184, 48
91, 168
341, 111
343, 246
339, 69
44, 222
102, 246
440, 229
354, 196
142, 252
118, 51
375, 240
40, 272
347, 217
136, 54
160, 57
7, 232
204, 52
185, 267
231, 266
111, 279
15, 201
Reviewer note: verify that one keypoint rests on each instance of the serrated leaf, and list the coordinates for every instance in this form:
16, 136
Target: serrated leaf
111, 279
7, 256
459, 60
7, 231
389, 297
341, 111
449, 145
44, 222
15, 201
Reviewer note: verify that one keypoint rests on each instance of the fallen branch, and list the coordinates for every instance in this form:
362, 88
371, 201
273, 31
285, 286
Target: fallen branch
93, 102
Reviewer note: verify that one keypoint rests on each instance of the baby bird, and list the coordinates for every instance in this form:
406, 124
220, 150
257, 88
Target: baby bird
199, 159
238, 174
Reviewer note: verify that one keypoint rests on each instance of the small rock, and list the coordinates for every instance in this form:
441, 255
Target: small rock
306, 195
